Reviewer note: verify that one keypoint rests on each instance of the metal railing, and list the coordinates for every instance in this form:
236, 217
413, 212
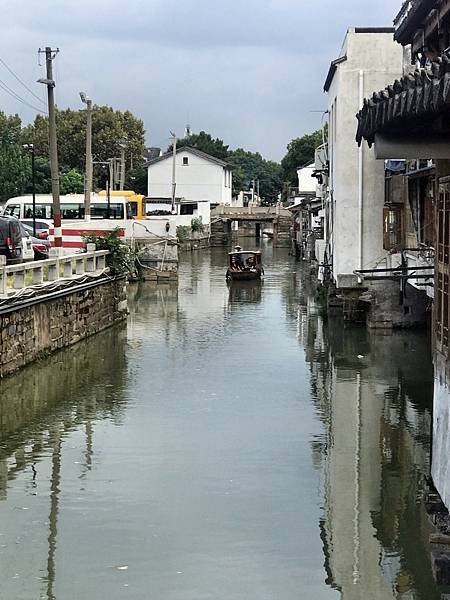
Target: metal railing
14, 278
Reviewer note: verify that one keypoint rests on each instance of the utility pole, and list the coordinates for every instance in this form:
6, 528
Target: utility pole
253, 191
53, 145
257, 190
108, 195
115, 172
174, 159
88, 166
122, 166
110, 180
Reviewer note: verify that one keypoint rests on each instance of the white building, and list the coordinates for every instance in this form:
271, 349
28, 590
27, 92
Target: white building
306, 181
201, 180
307, 185
246, 198
369, 60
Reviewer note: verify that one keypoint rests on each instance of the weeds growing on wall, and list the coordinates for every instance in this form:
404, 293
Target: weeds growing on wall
197, 224
120, 260
182, 233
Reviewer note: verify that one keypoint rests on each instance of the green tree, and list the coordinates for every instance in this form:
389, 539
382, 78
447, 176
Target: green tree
109, 128
252, 166
206, 143
14, 163
300, 152
71, 182
43, 176
136, 180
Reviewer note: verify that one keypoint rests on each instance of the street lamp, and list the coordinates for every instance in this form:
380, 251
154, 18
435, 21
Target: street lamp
88, 166
30, 148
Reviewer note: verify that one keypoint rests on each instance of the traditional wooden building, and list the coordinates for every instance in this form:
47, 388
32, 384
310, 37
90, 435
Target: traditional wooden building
410, 119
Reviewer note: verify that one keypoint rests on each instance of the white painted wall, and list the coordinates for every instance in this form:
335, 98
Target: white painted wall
199, 180
374, 60
440, 467
306, 182
203, 210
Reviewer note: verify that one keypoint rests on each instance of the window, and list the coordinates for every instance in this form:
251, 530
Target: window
185, 160
393, 228
187, 209
40, 225
71, 211
100, 211
133, 209
12, 210
43, 211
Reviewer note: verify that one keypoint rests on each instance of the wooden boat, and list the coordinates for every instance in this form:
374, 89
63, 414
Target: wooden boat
244, 265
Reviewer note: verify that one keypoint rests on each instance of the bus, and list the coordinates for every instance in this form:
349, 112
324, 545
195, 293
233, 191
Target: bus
121, 206
136, 202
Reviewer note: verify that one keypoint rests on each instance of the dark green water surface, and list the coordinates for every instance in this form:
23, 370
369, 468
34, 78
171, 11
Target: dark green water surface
224, 444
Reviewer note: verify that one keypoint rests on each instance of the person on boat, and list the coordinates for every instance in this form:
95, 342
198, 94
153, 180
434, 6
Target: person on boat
250, 262
240, 262
235, 264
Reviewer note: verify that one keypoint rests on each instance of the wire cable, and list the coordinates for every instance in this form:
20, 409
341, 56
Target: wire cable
12, 93
20, 81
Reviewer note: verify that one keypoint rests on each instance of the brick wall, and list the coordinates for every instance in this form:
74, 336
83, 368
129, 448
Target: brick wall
37, 330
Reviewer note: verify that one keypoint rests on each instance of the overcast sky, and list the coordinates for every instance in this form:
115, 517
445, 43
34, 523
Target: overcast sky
247, 71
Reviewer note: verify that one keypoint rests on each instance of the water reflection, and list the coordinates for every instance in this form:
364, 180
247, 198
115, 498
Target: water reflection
245, 291
235, 442
373, 394
40, 408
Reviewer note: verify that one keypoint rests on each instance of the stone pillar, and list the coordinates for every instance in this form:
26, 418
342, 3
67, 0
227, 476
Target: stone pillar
275, 232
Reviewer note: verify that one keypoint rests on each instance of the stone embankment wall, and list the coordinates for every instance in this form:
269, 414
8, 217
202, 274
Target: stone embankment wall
157, 260
196, 241
30, 332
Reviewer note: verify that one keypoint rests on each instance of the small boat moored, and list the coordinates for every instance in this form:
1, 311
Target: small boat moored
244, 265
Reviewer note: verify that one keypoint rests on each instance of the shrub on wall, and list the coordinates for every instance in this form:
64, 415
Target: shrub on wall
197, 225
182, 233
120, 259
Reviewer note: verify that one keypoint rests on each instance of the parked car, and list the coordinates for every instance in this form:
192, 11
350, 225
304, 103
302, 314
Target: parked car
27, 244
11, 240
42, 227
35, 248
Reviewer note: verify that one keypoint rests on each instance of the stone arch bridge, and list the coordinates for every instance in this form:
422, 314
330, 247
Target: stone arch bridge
275, 220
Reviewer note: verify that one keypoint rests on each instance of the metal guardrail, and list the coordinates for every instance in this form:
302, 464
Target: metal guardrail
50, 270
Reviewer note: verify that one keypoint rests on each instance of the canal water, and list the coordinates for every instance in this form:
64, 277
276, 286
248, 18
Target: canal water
227, 443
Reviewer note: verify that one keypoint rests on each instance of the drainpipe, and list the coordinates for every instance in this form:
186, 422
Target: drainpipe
360, 180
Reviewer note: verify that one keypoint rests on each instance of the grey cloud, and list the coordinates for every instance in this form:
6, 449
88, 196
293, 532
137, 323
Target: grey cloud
248, 71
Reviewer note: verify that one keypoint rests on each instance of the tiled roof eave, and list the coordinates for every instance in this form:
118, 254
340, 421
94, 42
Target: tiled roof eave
406, 29
423, 94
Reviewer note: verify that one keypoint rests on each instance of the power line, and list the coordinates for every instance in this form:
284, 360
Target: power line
12, 93
20, 81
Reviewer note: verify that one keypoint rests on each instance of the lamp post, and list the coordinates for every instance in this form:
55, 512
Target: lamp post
88, 166
30, 148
